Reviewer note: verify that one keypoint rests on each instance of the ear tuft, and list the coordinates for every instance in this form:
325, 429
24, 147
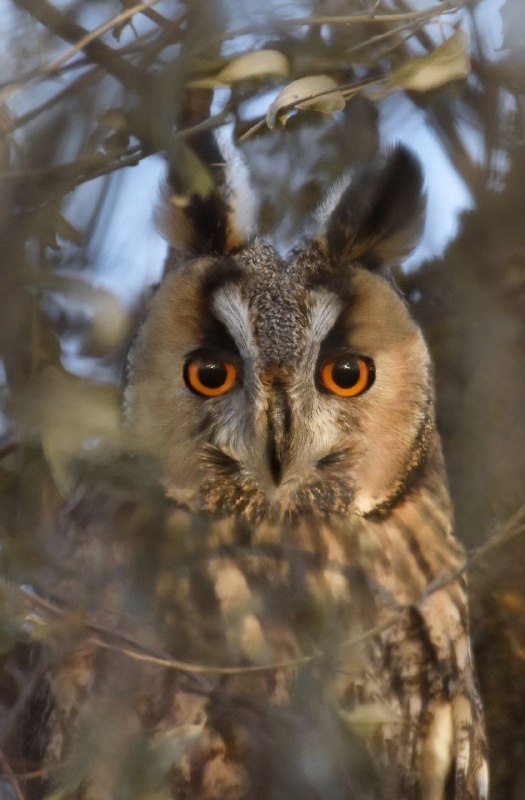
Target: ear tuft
378, 217
209, 206
241, 201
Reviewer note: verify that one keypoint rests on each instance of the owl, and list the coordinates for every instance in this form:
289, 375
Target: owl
305, 591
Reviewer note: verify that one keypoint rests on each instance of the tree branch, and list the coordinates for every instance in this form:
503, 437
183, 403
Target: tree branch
58, 23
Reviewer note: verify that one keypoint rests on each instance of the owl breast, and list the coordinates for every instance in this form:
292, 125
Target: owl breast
299, 623
290, 402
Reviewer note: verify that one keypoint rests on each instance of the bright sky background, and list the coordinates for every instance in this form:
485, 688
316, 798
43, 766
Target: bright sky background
134, 253
132, 256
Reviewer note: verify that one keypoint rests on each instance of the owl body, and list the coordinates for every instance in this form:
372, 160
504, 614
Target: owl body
310, 589
347, 491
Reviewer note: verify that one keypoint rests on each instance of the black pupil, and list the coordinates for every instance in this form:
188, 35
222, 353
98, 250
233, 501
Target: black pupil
346, 373
212, 374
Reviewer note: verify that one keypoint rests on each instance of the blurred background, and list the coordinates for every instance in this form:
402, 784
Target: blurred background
99, 101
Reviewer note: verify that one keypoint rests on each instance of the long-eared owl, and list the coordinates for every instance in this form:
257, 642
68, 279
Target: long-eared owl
309, 597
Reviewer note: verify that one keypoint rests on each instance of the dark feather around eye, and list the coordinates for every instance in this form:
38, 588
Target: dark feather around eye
220, 461
332, 459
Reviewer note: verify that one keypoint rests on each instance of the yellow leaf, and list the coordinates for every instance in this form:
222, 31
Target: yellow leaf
373, 713
247, 66
168, 746
109, 322
77, 417
448, 62
316, 92
254, 65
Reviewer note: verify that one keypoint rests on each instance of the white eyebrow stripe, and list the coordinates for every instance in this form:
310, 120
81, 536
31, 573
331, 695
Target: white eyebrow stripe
230, 308
328, 204
325, 308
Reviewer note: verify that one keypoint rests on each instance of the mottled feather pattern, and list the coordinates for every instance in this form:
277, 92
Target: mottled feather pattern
231, 594
301, 572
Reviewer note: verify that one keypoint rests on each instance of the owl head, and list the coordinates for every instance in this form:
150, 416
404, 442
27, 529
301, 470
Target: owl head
275, 386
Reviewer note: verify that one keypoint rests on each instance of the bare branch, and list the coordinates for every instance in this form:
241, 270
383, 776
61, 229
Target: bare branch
352, 19
355, 19
348, 90
99, 53
65, 177
119, 643
118, 19
128, 646
8, 772
54, 67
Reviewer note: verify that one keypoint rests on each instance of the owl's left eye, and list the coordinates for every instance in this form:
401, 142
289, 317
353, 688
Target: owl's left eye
347, 376
209, 377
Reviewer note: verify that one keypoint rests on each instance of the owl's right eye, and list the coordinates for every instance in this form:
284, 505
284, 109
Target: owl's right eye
347, 376
209, 377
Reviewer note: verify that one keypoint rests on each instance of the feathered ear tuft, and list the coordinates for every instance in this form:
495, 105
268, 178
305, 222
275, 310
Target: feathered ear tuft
209, 206
378, 217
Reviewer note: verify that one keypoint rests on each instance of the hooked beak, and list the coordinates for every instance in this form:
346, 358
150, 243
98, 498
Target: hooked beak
279, 427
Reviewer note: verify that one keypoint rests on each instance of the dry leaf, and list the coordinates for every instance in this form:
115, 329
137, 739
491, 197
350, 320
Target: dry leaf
255, 65
370, 714
168, 746
246, 67
448, 62
317, 92
194, 177
108, 321
76, 417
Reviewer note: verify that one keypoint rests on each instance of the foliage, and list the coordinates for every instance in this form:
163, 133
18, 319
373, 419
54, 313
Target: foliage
89, 91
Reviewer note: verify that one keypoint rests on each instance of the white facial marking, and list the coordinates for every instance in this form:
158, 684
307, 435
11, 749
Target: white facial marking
325, 308
231, 310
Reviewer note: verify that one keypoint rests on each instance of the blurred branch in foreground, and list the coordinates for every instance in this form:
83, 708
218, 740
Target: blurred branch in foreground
90, 93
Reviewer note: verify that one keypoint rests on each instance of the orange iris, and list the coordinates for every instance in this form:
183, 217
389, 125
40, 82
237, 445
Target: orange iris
210, 377
348, 376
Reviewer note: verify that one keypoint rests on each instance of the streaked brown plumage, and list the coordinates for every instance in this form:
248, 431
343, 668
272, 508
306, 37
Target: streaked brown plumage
307, 560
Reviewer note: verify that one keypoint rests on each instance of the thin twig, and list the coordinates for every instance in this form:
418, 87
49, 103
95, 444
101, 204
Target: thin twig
352, 19
51, 69
379, 37
62, 26
126, 645
510, 529
33, 774
182, 666
10, 775
118, 19
72, 88
207, 124
82, 169
139, 652
252, 129
513, 527
141, 43
360, 19
348, 90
